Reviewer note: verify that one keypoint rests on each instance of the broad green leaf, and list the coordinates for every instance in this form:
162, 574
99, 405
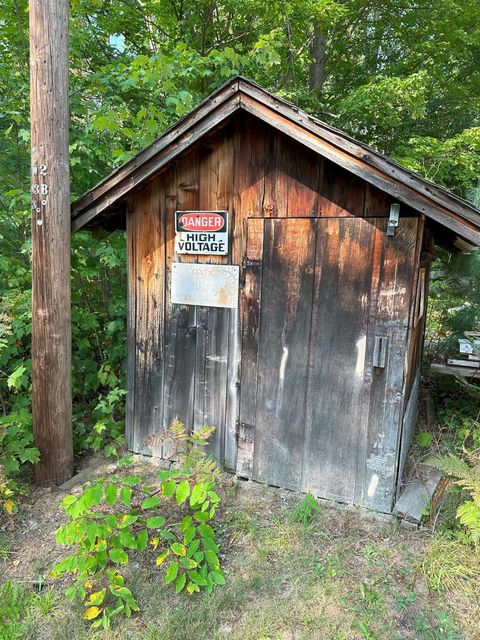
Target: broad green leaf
183, 491
202, 516
210, 544
189, 535
142, 540
181, 580
127, 539
16, 379
96, 598
193, 547
424, 439
217, 577
118, 555
206, 531
197, 578
151, 503
131, 481
110, 494
188, 563
126, 496
198, 494
198, 556
171, 573
192, 587
185, 523
179, 549
213, 497
168, 488
155, 522
127, 520
212, 559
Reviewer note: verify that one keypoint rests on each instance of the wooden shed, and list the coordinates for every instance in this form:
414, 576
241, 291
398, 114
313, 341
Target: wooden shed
277, 286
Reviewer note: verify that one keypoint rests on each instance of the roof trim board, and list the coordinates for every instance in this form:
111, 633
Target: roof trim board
405, 185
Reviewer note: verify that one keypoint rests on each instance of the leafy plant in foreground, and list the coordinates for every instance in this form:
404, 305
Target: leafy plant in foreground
115, 517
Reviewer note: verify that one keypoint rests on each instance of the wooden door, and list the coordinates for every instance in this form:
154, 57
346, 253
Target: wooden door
315, 414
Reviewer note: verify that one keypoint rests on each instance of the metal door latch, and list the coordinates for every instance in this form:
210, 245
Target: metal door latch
380, 352
393, 218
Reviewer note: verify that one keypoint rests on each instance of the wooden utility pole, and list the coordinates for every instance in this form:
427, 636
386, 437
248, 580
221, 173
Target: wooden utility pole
51, 316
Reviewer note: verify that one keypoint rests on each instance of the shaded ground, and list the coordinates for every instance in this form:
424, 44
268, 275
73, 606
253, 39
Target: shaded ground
344, 576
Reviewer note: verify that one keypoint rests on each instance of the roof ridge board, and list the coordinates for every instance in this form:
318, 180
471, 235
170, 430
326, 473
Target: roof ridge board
205, 107
371, 153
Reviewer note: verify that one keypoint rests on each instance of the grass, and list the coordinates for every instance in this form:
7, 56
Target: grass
294, 571
451, 565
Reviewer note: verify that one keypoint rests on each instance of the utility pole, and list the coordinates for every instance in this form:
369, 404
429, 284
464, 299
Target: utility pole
51, 315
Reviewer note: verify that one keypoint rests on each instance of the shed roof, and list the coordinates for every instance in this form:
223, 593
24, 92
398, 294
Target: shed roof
435, 202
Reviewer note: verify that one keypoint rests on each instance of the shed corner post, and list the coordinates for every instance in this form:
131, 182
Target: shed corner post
51, 244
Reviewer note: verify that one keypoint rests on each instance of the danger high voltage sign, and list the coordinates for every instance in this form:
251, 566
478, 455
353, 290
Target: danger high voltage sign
201, 232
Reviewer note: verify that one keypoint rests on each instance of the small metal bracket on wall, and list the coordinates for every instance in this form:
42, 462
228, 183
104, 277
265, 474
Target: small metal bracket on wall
393, 218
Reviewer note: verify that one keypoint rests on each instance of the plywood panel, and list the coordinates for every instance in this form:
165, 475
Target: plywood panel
287, 290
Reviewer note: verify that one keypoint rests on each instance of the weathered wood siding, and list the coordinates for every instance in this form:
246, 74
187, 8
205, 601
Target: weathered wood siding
338, 281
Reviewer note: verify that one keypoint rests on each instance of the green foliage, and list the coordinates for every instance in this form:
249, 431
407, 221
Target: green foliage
465, 472
454, 302
117, 517
424, 439
18, 608
443, 628
306, 509
449, 564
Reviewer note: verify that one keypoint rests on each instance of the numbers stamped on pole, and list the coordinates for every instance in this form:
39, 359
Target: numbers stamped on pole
40, 189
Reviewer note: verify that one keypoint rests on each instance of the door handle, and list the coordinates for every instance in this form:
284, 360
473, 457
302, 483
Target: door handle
380, 352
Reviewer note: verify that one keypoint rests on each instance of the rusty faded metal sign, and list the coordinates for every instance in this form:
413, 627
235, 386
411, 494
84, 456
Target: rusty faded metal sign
201, 232
205, 285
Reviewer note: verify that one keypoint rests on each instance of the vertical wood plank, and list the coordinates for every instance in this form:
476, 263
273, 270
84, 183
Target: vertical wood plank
297, 175
180, 321
337, 396
377, 203
211, 362
149, 256
131, 324
250, 327
249, 170
287, 290
341, 193
391, 292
